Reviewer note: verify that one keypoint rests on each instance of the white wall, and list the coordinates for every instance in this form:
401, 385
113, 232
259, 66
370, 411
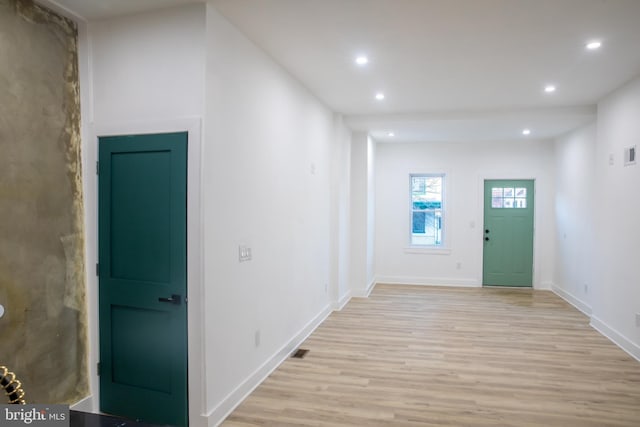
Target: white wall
340, 290
466, 165
148, 66
362, 221
576, 204
371, 212
616, 300
267, 185
144, 74
267, 169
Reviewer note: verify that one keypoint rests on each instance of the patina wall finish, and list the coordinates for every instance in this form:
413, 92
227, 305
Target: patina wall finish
42, 274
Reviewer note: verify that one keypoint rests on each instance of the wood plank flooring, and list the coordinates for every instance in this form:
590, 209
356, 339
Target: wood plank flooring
428, 356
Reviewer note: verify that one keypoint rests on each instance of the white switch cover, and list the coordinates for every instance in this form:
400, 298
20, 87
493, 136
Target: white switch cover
1, 310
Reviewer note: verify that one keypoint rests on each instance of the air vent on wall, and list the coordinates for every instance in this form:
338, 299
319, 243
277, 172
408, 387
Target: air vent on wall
630, 156
300, 353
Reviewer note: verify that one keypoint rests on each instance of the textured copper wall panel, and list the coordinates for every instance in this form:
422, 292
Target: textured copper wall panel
43, 334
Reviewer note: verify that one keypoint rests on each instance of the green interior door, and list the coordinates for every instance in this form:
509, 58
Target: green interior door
142, 275
508, 233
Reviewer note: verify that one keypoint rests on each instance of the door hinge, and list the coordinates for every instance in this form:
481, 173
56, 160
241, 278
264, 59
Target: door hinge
97, 269
99, 367
97, 168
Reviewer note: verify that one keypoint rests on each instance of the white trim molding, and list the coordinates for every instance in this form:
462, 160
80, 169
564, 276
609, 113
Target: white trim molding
616, 337
365, 292
218, 414
571, 299
344, 300
195, 283
430, 281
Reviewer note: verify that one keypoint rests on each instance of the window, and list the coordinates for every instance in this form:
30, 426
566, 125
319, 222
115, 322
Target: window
508, 198
426, 209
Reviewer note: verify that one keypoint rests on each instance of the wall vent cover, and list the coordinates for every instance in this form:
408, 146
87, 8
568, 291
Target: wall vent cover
300, 353
630, 156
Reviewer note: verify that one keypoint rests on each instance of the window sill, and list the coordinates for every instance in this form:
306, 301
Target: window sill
427, 250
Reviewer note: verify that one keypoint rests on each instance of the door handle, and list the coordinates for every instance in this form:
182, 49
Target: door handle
173, 299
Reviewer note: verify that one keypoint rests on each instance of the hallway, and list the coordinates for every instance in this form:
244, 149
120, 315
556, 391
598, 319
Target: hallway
410, 356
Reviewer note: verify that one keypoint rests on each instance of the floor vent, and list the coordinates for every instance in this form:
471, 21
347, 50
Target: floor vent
300, 353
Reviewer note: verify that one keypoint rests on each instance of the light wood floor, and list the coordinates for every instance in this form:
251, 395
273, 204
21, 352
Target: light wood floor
423, 356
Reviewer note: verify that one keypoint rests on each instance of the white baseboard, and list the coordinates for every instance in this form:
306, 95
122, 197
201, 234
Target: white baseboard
429, 281
616, 337
544, 286
218, 414
84, 405
574, 301
366, 292
339, 305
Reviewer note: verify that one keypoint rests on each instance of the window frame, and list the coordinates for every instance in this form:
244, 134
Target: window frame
441, 247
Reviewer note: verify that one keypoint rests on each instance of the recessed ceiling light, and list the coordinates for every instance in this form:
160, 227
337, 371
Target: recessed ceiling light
362, 60
379, 96
549, 88
593, 45
526, 131
391, 134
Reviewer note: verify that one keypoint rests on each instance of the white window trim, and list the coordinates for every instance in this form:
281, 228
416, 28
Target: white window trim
427, 250
443, 248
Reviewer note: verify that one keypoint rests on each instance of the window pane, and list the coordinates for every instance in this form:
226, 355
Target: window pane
521, 203
418, 222
418, 184
427, 228
426, 206
496, 192
496, 202
521, 192
508, 192
426, 192
508, 203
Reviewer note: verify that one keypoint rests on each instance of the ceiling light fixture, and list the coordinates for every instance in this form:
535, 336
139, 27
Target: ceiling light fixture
549, 88
526, 131
593, 45
362, 60
379, 96
391, 134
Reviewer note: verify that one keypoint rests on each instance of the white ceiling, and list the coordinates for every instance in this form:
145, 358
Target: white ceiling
450, 69
90, 10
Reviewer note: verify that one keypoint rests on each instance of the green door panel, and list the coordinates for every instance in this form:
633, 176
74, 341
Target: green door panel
508, 233
142, 252
140, 236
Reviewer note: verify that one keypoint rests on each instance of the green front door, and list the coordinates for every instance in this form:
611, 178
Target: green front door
508, 233
142, 276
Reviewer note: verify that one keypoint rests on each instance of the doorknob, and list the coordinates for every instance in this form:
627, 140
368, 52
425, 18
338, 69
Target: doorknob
173, 299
